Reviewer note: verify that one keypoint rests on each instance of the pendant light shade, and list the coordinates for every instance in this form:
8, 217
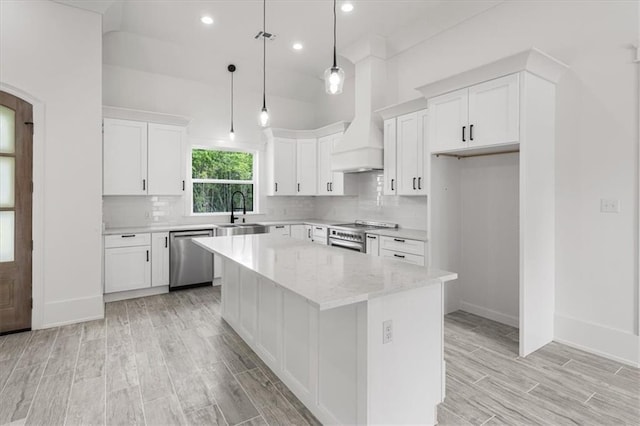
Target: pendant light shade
334, 76
264, 113
232, 68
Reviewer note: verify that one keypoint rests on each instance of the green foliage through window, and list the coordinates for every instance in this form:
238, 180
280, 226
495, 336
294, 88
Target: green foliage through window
216, 175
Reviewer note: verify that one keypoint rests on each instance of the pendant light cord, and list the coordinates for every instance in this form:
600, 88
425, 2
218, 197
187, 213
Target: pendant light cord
335, 63
232, 101
264, 54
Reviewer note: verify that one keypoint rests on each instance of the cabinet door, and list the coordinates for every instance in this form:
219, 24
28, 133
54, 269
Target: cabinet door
390, 183
283, 230
422, 154
124, 157
407, 131
336, 186
166, 159
159, 259
284, 166
449, 117
373, 245
307, 167
324, 165
298, 232
127, 268
494, 112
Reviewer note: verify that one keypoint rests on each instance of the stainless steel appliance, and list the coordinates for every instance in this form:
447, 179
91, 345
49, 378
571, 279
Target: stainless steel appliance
351, 236
189, 264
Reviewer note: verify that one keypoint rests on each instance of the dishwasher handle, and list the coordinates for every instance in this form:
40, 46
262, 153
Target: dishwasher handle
191, 234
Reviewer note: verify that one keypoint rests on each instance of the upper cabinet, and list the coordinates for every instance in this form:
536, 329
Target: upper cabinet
307, 167
406, 167
298, 162
124, 157
142, 158
329, 182
281, 166
165, 170
478, 116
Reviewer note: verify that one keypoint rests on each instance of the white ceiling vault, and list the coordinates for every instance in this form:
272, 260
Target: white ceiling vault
167, 37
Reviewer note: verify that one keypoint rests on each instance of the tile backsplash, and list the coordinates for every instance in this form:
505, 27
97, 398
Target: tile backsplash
408, 212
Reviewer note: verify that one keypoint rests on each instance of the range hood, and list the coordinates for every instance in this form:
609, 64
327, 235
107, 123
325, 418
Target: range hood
362, 144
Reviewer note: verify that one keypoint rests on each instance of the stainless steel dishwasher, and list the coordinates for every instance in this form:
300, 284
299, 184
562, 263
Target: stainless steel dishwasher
190, 265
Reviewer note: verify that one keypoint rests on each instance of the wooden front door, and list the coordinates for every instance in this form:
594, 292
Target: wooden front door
16, 153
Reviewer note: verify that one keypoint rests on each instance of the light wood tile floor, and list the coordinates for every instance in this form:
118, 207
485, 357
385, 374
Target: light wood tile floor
171, 359
488, 384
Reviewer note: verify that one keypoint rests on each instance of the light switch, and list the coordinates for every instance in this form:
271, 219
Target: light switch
609, 205
387, 332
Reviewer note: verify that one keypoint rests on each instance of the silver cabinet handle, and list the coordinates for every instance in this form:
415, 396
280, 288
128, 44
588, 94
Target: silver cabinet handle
419, 183
280, 227
128, 236
144, 184
399, 240
276, 186
147, 255
166, 242
414, 183
392, 180
398, 255
371, 237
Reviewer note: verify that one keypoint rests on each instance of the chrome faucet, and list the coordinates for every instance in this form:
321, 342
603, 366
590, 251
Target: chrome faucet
233, 208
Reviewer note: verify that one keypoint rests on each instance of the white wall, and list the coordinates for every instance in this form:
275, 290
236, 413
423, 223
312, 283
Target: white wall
51, 56
596, 154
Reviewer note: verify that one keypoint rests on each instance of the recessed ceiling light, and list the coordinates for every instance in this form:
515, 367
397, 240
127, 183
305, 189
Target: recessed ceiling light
207, 20
346, 7
297, 46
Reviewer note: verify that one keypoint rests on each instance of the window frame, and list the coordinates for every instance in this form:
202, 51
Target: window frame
254, 181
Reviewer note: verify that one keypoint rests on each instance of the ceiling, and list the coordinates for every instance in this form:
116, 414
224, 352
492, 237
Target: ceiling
167, 37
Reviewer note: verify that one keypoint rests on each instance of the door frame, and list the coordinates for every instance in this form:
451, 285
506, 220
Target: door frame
37, 218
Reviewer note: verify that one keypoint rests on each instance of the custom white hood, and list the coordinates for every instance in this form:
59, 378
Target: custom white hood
362, 144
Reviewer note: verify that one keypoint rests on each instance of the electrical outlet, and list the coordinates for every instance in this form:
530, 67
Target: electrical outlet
609, 205
387, 332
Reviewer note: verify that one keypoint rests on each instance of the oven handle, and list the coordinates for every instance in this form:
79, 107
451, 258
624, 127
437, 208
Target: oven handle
345, 244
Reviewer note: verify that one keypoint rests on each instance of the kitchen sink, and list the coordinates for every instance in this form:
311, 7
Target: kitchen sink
240, 229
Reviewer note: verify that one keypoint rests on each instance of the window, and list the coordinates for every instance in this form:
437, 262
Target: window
217, 174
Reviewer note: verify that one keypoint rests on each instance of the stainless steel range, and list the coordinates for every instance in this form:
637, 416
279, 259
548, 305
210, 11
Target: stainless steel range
351, 236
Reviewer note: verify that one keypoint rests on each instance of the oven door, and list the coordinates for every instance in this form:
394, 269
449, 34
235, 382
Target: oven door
349, 245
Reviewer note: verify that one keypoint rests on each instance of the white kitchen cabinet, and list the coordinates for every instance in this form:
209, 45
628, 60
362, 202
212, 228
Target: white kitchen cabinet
281, 166
478, 116
284, 230
159, 259
494, 112
142, 158
329, 182
127, 267
298, 232
320, 234
390, 166
124, 157
403, 249
166, 165
373, 245
306, 166
412, 153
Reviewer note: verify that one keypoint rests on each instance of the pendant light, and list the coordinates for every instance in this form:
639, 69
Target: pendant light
264, 113
334, 76
231, 68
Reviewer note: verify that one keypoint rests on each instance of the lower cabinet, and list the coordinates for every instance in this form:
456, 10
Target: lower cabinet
127, 267
298, 232
403, 249
159, 259
373, 245
320, 234
284, 230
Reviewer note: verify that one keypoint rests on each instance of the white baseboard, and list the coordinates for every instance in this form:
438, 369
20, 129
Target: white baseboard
71, 311
618, 345
489, 314
132, 294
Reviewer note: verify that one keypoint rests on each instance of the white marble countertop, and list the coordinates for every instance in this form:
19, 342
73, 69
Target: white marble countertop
198, 226
411, 234
327, 277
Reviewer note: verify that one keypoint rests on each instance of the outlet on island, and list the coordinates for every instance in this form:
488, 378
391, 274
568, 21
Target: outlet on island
387, 332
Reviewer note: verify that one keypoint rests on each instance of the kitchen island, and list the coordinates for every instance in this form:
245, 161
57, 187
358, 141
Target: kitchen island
358, 339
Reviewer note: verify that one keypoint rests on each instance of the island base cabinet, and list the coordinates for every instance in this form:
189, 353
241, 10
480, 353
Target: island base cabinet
336, 360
